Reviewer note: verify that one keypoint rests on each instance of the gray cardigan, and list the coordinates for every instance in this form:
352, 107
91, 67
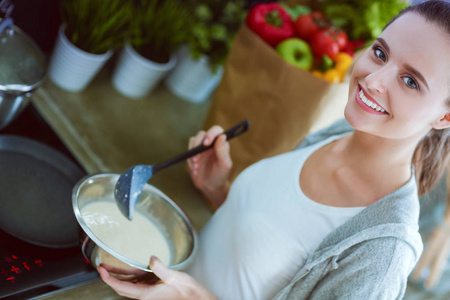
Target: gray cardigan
368, 257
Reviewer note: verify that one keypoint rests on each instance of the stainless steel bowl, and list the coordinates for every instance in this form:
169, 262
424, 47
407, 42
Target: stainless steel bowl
154, 205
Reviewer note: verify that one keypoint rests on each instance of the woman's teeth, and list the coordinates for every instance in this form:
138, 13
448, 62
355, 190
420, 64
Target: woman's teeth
369, 103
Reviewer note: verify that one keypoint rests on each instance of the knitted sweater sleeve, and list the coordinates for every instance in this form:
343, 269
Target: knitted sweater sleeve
375, 269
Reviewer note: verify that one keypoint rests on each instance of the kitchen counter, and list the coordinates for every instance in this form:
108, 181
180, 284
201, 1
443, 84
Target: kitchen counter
107, 132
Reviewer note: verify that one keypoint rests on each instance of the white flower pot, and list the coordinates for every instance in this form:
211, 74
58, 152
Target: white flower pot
192, 80
71, 68
135, 76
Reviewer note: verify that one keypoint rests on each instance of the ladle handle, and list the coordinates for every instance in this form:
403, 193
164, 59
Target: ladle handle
230, 133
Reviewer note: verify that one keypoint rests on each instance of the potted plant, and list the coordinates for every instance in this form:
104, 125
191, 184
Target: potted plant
159, 27
201, 60
90, 31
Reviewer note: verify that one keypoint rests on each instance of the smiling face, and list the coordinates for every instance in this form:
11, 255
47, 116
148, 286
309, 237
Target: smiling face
400, 86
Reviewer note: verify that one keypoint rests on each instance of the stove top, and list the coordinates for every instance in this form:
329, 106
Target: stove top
28, 270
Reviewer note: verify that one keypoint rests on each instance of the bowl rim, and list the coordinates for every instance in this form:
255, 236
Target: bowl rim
99, 243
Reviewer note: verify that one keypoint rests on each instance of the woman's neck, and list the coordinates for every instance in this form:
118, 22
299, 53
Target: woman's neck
369, 155
357, 170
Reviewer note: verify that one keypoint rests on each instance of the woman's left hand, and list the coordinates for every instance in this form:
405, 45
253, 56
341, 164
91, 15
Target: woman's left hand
173, 285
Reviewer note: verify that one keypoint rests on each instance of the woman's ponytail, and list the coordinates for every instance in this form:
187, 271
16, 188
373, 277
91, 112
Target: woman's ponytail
431, 157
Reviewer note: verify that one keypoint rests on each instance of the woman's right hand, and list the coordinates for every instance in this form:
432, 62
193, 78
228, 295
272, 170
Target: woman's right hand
209, 170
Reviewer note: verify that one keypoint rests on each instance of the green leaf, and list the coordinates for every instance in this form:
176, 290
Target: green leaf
215, 23
364, 19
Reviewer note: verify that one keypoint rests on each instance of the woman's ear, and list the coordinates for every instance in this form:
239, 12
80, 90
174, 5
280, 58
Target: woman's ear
443, 123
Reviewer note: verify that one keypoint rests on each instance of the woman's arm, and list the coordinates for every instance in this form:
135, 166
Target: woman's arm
375, 269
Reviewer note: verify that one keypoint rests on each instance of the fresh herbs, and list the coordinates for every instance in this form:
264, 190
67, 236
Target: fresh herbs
155, 28
159, 28
96, 26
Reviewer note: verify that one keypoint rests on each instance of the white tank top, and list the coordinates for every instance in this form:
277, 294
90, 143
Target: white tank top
260, 237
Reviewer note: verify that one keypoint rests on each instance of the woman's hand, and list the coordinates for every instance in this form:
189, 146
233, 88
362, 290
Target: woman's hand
173, 285
434, 257
209, 170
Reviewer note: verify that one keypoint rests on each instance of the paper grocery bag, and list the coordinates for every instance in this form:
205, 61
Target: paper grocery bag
283, 102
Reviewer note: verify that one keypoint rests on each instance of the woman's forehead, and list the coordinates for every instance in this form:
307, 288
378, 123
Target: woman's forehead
421, 43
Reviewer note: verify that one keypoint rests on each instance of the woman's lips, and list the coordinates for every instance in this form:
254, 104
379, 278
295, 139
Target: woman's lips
368, 104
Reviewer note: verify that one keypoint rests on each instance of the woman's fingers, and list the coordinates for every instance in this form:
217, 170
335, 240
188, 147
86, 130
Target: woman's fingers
194, 142
202, 137
123, 288
197, 139
211, 134
222, 149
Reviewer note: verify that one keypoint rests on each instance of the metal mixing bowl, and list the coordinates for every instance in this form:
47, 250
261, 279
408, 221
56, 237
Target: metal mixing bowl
152, 204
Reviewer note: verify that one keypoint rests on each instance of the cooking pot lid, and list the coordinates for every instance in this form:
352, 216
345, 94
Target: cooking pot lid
22, 63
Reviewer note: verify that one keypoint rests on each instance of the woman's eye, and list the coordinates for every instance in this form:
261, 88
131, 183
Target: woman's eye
380, 54
411, 83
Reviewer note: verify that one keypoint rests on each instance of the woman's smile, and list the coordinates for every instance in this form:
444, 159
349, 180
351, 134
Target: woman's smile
405, 90
369, 104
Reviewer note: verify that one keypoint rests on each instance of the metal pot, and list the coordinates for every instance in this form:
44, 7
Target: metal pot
22, 70
152, 204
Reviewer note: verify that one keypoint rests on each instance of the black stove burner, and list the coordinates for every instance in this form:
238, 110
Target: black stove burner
28, 270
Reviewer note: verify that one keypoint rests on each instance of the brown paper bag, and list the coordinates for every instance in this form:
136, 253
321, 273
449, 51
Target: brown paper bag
282, 102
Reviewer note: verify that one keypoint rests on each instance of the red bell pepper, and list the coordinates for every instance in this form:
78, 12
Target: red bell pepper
271, 22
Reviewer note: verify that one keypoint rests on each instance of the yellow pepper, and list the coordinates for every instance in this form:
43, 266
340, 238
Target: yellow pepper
342, 62
317, 73
332, 75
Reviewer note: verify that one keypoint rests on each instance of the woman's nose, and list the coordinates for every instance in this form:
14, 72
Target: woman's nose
377, 80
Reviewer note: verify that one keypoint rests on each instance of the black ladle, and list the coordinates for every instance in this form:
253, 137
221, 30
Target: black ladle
130, 183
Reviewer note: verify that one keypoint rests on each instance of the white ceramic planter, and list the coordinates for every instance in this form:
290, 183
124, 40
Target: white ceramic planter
71, 68
135, 76
192, 80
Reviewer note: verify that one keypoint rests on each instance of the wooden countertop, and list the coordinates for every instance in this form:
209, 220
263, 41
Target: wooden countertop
107, 132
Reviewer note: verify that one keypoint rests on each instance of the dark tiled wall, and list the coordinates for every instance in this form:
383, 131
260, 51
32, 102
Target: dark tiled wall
39, 19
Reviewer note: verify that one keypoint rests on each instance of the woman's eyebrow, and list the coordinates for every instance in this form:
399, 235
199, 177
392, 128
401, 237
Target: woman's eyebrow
417, 74
383, 42
406, 66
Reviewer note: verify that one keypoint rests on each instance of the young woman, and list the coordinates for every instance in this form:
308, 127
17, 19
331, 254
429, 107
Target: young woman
338, 217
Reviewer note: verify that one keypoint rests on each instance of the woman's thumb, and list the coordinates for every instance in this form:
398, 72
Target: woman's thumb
160, 270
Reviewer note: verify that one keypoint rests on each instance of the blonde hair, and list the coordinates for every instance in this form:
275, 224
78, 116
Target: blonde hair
431, 158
